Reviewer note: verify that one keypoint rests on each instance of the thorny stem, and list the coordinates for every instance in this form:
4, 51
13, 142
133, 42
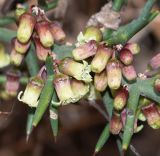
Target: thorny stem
118, 4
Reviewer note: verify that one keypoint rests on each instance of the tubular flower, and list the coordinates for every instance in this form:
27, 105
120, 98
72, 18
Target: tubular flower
100, 81
21, 47
41, 51
85, 50
152, 115
115, 124
63, 89
129, 72
101, 58
32, 91
57, 31
114, 74
120, 99
75, 69
133, 47
4, 58
44, 33
16, 58
12, 83
92, 33
79, 88
126, 56
25, 28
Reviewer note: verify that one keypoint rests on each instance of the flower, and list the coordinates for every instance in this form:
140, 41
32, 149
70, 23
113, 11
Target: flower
32, 91
114, 74
75, 69
100, 81
133, 47
85, 50
101, 58
44, 33
25, 28
126, 56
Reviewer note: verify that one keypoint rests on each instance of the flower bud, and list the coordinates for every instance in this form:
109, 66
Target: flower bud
57, 32
157, 85
92, 33
120, 99
16, 58
32, 91
63, 89
133, 47
12, 83
25, 28
19, 12
4, 58
152, 115
85, 50
75, 69
41, 51
101, 58
114, 74
126, 56
100, 81
129, 72
155, 62
79, 88
21, 47
115, 124
44, 34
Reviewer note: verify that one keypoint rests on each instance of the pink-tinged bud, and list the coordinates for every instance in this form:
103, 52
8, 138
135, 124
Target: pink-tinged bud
75, 69
155, 62
126, 56
25, 28
41, 51
19, 12
101, 58
79, 88
100, 81
57, 32
21, 47
120, 99
157, 85
85, 51
133, 47
12, 83
152, 115
92, 33
16, 58
4, 58
114, 74
115, 124
32, 91
44, 34
129, 73
63, 89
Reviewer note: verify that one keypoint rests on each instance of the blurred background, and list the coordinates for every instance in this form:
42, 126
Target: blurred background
80, 125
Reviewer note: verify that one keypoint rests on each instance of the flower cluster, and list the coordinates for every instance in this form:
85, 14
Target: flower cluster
37, 28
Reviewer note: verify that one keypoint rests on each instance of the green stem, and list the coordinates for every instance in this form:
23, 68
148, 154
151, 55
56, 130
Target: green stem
126, 32
117, 4
46, 93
